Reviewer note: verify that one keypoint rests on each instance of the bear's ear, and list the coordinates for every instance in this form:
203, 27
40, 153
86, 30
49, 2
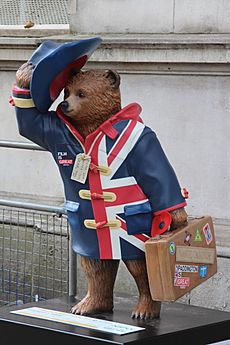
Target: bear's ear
113, 77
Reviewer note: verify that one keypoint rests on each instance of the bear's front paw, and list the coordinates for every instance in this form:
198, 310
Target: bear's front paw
147, 309
24, 75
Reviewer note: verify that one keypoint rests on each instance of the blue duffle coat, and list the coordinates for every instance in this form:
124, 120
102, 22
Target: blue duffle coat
129, 181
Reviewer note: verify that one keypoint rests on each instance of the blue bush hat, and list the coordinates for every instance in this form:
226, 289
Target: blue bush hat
53, 65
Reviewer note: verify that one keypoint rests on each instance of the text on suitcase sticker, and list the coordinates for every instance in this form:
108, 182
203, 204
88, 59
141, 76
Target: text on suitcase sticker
182, 282
186, 268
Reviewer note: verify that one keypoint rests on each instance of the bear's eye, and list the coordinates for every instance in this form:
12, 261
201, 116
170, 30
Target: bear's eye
81, 94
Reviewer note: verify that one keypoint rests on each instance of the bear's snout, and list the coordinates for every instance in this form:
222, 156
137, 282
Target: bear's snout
64, 106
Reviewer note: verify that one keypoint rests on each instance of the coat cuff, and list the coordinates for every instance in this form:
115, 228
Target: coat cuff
22, 97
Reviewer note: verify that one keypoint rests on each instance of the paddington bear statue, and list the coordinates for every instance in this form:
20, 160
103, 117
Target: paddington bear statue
118, 182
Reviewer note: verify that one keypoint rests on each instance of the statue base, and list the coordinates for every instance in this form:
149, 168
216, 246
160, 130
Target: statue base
178, 324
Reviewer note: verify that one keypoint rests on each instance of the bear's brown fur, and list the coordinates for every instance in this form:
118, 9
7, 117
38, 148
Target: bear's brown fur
24, 75
92, 97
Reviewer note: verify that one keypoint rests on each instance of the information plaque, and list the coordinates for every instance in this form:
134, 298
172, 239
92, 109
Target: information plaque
78, 320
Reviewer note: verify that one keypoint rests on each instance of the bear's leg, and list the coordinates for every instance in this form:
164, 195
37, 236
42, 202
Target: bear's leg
101, 275
146, 307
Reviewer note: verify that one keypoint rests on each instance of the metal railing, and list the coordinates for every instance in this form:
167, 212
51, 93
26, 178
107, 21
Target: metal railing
20, 145
36, 259
33, 206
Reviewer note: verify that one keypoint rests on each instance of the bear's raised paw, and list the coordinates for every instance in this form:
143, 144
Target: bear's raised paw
24, 75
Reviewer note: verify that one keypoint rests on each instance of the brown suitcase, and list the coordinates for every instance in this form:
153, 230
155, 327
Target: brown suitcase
181, 260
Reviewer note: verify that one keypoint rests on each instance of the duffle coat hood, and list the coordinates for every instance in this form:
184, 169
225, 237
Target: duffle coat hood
129, 180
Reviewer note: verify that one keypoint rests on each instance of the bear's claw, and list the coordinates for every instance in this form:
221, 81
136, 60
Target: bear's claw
90, 305
144, 311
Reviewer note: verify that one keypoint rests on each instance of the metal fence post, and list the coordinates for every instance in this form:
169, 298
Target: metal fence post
72, 269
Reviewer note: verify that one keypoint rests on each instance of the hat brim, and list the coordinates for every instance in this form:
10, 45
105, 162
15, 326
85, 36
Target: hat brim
53, 64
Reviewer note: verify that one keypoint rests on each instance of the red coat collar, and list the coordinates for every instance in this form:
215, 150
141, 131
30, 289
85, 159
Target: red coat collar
130, 112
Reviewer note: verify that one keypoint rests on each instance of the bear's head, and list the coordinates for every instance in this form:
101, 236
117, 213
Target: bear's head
90, 98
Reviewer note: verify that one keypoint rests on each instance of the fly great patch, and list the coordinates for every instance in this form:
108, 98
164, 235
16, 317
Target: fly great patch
63, 158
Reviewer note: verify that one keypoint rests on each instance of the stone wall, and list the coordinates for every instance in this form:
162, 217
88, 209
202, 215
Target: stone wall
167, 16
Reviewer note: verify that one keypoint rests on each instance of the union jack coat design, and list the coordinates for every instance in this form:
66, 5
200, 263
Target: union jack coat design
129, 181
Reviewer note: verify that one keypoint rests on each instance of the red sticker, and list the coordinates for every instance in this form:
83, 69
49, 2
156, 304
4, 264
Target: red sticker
182, 282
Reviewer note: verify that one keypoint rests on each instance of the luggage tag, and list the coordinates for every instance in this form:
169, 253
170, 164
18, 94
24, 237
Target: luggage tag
81, 168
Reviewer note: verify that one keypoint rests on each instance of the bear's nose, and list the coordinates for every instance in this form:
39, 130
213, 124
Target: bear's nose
64, 106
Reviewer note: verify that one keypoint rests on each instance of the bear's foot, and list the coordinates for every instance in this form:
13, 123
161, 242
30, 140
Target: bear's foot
91, 305
147, 309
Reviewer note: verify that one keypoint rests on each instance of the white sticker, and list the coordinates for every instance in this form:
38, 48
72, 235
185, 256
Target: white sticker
81, 168
186, 268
